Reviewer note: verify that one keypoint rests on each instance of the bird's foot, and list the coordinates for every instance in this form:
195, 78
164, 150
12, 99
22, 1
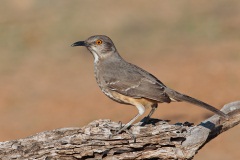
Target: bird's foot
121, 129
116, 130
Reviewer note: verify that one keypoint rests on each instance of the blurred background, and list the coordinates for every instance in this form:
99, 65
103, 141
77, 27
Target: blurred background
193, 47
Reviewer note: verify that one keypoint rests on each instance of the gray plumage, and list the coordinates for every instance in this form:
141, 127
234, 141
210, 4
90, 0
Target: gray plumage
132, 81
115, 76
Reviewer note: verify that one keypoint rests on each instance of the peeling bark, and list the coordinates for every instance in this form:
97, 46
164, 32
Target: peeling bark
156, 140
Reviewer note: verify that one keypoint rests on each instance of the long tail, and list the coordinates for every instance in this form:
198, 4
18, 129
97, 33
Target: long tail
181, 97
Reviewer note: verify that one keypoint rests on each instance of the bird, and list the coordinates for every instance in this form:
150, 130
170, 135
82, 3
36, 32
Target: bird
129, 84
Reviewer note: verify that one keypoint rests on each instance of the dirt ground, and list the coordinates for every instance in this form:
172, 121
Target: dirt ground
193, 47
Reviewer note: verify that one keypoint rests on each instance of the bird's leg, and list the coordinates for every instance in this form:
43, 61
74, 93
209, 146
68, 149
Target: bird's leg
141, 110
128, 124
146, 119
154, 107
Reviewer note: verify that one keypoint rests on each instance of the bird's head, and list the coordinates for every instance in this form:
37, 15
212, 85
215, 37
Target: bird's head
100, 46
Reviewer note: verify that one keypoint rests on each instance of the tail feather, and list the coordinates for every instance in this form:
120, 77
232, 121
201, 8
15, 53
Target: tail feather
181, 97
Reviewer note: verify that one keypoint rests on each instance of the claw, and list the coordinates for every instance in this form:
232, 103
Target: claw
120, 125
121, 129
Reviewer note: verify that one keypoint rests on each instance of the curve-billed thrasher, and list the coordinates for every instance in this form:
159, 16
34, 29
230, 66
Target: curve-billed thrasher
129, 84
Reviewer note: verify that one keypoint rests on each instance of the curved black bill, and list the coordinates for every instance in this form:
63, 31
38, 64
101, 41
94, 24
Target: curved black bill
79, 43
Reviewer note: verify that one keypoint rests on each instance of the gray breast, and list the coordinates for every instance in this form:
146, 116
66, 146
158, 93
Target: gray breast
101, 83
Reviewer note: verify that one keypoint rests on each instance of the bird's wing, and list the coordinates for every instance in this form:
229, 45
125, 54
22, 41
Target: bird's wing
136, 82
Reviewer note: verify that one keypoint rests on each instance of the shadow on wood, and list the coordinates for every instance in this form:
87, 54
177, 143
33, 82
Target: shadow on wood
157, 140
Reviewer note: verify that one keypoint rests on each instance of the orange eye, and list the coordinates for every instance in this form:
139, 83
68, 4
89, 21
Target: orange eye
98, 42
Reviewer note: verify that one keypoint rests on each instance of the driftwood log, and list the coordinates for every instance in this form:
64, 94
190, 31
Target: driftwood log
156, 140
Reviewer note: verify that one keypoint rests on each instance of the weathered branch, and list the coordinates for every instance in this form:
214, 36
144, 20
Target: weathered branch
157, 140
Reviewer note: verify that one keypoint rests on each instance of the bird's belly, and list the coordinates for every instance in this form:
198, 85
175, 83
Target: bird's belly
133, 101
112, 96
120, 98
